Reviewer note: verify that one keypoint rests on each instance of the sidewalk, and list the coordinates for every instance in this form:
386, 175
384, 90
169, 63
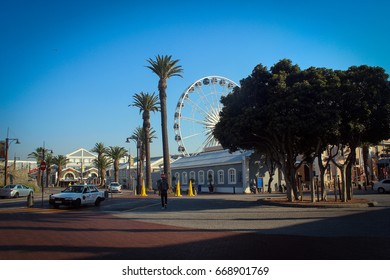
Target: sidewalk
222, 230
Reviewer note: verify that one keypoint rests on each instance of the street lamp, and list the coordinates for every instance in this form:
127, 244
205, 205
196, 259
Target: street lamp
8, 142
137, 141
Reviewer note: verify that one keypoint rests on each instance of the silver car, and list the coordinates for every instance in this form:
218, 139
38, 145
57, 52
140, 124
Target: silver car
15, 191
382, 186
115, 187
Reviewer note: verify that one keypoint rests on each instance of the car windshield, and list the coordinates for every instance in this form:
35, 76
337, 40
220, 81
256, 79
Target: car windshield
114, 184
74, 189
9, 186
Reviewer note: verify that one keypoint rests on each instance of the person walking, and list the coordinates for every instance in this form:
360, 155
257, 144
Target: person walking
163, 188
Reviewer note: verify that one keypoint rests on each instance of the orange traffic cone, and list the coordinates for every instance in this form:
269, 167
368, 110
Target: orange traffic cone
190, 191
178, 192
143, 190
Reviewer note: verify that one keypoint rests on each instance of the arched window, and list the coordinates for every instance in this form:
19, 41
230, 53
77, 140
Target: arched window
221, 177
184, 178
201, 177
192, 175
177, 176
232, 178
210, 177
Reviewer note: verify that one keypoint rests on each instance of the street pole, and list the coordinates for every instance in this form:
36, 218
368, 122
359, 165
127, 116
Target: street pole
43, 173
8, 142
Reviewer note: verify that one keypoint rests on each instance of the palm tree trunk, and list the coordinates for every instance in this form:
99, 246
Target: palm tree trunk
103, 177
146, 126
163, 104
116, 170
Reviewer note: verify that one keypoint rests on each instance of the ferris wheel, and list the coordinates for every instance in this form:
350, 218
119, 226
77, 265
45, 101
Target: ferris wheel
197, 113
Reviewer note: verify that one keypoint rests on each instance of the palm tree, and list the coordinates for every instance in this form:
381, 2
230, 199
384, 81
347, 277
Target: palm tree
164, 67
146, 103
116, 153
101, 150
102, 163
38, 156
60, 161
139, 135
49, 163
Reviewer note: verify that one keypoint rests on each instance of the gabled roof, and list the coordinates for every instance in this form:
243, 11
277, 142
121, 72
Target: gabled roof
215, 158
81, 153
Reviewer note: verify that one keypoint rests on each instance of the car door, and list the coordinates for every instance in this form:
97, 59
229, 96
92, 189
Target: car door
19, 190
25, 190
94, 193
386, 185
88, 195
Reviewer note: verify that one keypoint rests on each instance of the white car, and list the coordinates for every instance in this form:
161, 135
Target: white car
382, 186
115, 187
76, 196
16, 191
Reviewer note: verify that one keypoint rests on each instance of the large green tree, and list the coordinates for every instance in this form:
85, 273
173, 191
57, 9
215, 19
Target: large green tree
264, 115
165, 67
364, 110
293, 114
146, 102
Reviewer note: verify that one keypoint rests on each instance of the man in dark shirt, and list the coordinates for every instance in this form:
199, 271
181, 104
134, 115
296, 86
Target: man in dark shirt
164, 192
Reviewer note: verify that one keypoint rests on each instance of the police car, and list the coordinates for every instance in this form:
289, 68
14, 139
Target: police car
76, 196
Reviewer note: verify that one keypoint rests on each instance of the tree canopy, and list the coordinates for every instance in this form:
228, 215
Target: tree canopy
292, 114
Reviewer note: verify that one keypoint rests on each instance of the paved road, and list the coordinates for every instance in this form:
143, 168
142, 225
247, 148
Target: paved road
203, 227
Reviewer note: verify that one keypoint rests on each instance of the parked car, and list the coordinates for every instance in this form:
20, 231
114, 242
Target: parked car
115, 187
76, 196
382, 186
15, 190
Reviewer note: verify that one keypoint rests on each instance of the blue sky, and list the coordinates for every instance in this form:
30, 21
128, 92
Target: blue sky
69, 69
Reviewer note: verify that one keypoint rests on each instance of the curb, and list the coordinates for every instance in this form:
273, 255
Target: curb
318, 204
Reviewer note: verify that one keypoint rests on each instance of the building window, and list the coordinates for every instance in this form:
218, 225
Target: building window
184, 178
177, 176
232, 176
221, 177
201, 177
210, 177
192, 175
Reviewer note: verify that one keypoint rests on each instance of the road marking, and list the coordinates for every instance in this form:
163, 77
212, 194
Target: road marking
28, 210
141, 207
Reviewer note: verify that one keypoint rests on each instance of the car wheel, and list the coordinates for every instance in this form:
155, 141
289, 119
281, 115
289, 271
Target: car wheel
381, 190
97, 202
16, 195
77, 203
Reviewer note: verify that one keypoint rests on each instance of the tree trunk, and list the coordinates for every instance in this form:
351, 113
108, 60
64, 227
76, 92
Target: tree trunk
146, 127
102, 176
116, 170
164, 128
312, 189
343, 170
59, 171
367, 173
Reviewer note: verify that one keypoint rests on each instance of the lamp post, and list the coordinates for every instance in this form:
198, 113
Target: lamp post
8, 142
137, 141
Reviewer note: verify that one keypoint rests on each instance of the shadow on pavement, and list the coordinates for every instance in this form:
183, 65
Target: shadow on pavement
94, 234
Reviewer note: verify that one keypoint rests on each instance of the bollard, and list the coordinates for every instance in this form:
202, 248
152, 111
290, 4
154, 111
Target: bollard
30, 200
